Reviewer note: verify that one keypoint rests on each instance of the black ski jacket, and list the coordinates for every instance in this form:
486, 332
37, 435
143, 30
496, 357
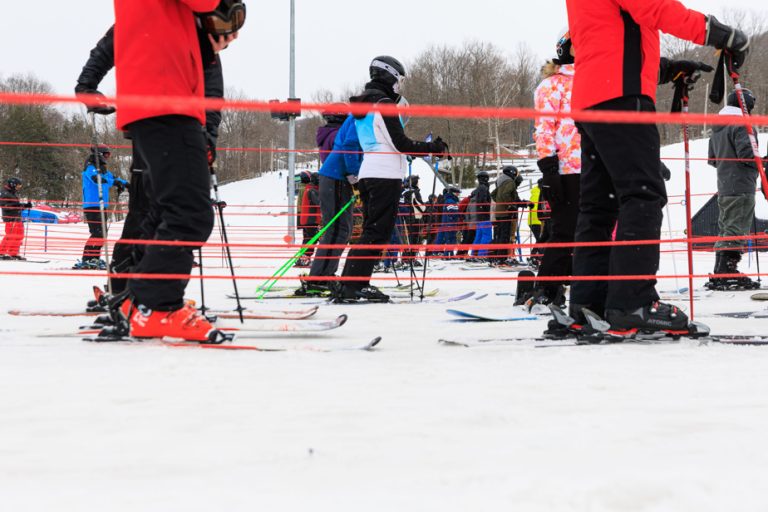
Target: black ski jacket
727, 146
481, 199
11, 205
102, 60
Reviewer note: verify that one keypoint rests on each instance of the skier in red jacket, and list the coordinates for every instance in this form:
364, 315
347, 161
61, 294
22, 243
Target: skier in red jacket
157, 53
617, 48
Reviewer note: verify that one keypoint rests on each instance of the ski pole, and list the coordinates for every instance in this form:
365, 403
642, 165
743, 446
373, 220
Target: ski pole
271, 282
750, 129
102, 218
26, 232
225, 240
203, 309
686, 88
429, 229
756, 246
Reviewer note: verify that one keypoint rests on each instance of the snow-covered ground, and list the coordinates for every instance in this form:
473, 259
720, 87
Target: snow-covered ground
412, 426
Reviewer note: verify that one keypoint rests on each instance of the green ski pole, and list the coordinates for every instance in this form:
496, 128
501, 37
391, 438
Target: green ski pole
270, 283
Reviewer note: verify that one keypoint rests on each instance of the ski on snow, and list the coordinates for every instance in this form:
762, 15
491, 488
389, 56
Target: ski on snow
367, 347
222, 314
289, 294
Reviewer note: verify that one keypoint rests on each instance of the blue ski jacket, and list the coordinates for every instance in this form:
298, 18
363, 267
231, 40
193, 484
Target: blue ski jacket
91, 188
347, 154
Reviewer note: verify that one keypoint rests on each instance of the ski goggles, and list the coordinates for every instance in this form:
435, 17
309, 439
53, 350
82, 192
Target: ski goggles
392, 71
228, 18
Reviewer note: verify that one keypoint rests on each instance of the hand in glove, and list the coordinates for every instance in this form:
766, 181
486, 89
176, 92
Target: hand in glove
732, 40
102, 108
670, 70
440, 148
352, 179
120, 187
665, 172
551, 184
211, 148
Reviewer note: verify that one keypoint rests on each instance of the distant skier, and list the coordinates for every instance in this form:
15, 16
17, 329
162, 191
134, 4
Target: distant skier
480, 204
467, 226
507, 202
617, 46
92, 206
384, 167
309, 219
338, 176
449, 223
730, 150
14, 227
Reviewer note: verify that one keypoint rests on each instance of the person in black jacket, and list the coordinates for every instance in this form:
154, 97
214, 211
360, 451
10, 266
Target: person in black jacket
481, 206
14, 228
139, 223
731, 152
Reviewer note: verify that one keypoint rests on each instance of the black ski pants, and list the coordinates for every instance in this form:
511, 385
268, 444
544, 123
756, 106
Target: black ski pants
177, 182
621, 187
135, 227
562, 222
92, 249
334, 195
381, 199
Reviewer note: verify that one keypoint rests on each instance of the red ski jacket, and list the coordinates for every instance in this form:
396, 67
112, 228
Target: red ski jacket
617, 47
157, 53
310, 208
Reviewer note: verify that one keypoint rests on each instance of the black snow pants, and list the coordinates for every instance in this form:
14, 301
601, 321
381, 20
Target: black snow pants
334, 195
381, 199
621, 187
177, 183
562, 223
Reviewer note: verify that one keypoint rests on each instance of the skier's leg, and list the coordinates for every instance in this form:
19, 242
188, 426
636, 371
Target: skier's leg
564, 215
92, 249
174, 150
598, 211
334, 195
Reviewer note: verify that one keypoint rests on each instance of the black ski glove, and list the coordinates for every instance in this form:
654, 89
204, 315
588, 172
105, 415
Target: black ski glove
732, 40
210, 141
120, 187
27, 205
440, 148
101, 109
551, 184
669, 70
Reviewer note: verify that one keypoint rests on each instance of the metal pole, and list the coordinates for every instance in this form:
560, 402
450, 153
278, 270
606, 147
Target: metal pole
290, 238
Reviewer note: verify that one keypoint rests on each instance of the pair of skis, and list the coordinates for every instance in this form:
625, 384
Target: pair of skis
301, 314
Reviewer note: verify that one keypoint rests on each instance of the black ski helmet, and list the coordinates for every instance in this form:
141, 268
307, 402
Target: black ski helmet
227, 18
483, 177
13, 182
564, 47
511, 171
305, 177
749, 100
336, 113
453, 189
388, 70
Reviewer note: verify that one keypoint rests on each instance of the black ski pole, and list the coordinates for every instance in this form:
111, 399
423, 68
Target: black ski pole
102, 217
220, 207
203, 308
756, 245
26, 232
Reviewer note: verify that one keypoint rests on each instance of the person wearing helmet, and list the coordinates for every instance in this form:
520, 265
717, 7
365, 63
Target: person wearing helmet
507, 202
558, 146
92, 174
159, 40
619, 68
449, 222
14, 228
384, 167
730, 151
480, 208
101, 60
309, 219
408, 224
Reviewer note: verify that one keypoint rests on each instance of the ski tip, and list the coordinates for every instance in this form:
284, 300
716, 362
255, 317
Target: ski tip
342, 320
374, 343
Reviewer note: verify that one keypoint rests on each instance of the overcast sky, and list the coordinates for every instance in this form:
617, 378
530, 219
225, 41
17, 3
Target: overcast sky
336, 38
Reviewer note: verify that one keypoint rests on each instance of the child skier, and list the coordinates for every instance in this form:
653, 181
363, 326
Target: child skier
92, 204
730, 151
480, 203
506, 201
384, 167
14, 228
309, 219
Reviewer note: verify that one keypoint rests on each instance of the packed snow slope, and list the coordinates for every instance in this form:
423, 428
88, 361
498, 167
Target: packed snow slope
412, 426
